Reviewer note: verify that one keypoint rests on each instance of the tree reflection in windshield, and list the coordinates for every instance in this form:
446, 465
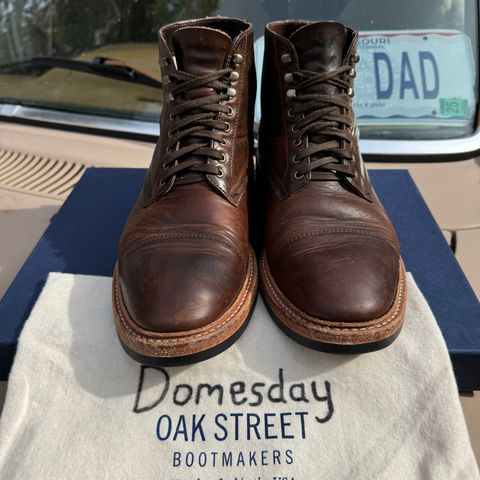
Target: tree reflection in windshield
68, 28
30, 28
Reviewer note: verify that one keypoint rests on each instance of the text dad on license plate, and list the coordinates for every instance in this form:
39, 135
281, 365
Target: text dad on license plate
415, 74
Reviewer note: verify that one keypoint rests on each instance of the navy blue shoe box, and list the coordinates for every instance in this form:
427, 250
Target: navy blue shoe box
82, 238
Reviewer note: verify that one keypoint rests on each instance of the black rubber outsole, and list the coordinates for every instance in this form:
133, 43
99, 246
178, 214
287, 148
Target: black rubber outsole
194, 357
332, 347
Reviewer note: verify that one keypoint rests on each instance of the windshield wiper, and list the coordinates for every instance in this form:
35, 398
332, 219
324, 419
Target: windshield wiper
103, 66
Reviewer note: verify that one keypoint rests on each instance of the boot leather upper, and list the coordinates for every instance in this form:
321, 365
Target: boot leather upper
183, 254
330, 247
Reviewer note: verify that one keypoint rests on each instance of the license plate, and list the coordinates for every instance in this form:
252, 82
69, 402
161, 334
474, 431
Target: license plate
420, 77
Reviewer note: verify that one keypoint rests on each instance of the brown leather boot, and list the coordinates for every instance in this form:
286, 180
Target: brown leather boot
331, 271
186, 276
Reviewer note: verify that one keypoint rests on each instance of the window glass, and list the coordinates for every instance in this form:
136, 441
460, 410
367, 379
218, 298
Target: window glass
417, 77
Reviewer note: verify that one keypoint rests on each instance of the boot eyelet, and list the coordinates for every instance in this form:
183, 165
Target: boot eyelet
298, 175
220, 173
288, 77
237, 58
352, 73
294, 129
291, 93
223, 159
230, 111
350, 92
223, 142
228, 127
231, 92
297, 142
290, 112
295, 160
356, 58
234, 76
286, 58
170, 97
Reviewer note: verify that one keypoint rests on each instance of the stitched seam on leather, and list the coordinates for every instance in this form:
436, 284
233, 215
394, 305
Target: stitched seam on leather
283, 189
227, 191
166, 236
320, 327
237, 120
198, 337
329, 231
201, 22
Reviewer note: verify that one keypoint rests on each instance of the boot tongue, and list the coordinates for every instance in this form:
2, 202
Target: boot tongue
320, 48
200, 50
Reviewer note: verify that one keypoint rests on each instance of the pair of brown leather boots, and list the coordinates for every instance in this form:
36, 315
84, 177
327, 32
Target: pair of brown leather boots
330, 272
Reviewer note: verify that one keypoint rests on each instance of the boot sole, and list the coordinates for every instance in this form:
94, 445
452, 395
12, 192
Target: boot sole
334, 337
183, 348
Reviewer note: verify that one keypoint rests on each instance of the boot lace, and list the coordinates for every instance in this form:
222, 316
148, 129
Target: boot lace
324, 124
194, 124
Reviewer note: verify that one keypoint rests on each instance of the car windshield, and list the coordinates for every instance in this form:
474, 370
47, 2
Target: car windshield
417, 78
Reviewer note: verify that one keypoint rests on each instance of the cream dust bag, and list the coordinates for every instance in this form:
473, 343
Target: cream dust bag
78, 407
